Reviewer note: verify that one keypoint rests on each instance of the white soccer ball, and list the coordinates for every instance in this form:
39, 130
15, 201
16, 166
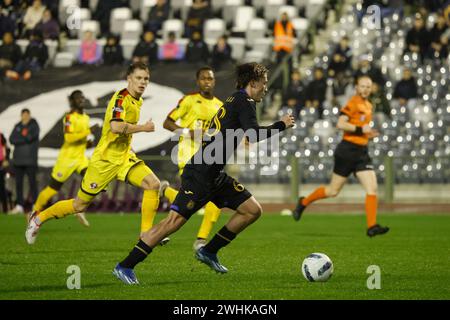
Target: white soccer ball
317, 267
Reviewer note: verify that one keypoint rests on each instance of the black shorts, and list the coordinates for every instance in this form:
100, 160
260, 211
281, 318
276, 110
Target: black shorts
224, 192
351, 158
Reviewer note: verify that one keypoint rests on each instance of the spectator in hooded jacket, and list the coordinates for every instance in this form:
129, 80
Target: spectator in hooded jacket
221, 53
406, 88
112, 51
25, 139
35, 57
197, 49
10, 54
146, 50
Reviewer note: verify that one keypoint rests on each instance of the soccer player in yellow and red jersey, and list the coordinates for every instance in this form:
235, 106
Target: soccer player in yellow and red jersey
72, 156
113, 157
194, 113
351, 156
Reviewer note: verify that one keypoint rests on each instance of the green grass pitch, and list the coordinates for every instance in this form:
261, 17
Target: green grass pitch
264, 261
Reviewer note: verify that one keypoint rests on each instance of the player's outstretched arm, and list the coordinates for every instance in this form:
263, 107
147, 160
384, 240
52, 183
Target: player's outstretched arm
76, 136
171, 125
248, 121
122, 127
345, 125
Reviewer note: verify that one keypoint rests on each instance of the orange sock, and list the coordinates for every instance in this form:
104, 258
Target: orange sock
371, 210
318, 194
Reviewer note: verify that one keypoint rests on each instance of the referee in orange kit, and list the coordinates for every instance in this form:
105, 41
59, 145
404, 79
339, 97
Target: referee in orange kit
351, 156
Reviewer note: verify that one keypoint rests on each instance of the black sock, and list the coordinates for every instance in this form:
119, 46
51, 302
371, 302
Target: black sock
138, 254
220, 240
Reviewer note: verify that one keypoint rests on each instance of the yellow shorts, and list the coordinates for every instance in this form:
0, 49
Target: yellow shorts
64, 168
100, 173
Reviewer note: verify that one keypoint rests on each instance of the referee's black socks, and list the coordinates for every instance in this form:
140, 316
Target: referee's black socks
220, 240
138, 254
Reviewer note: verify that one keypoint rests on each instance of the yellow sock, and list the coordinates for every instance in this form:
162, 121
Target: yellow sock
170, 193
43, 198
211, 215
150, 203
58, 210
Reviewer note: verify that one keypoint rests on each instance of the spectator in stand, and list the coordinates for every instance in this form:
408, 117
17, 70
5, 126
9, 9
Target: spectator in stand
33, 16
406, 88
10, 54
382, 108
197, 14
146, 50
35, 57
341, 58
315, 93
221, 53
340, 67
90, 52
4, 163
197, 49
25, 138
417, 38
103, 12
157, 15
284, 35
9, 18
294, 96
366, 68
112, 51
438, 48
171, 50
48, 26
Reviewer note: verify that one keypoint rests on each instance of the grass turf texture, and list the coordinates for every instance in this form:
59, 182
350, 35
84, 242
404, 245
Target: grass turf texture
264, 261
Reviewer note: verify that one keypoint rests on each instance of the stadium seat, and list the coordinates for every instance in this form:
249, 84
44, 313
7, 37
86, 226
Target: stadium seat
66, 9
300, 25
22, 43
217, 5
93, 5
230, 8
84, 15
128, 46
146, 5
271, 9
135, 5
242, 19
300, 3
181, 5
254, 56
238, 48
214, 28
117, 19
132, 29
52, 46
73, 46
290, 10
257, 29
259, 4
63, 60
313, 7
301, 129
89, 25
323, 129
174, 25
262, 47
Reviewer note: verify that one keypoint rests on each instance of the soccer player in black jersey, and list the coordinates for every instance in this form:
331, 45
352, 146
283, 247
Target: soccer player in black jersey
204, 180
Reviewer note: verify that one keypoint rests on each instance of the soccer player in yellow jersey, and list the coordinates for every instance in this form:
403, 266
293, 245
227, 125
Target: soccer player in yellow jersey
194, 113
72, 156
113, 157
